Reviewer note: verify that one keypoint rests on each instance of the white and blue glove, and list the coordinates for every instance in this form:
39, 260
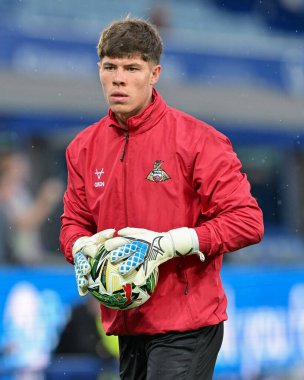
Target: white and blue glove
87, 246
144, 250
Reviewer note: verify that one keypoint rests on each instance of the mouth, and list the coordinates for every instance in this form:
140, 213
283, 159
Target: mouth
118, 96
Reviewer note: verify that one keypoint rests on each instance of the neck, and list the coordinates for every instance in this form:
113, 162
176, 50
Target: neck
122, 118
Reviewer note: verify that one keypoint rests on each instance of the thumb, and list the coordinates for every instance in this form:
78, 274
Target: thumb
90, 250
140, 278
114, 243
132, 231
104, 235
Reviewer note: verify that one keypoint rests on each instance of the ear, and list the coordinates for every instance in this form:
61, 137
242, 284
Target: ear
155, 74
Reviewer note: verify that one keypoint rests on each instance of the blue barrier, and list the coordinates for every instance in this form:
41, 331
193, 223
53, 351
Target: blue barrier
265, 331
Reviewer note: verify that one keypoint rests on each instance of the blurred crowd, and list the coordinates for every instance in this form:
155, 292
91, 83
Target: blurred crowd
23, 210
37, 342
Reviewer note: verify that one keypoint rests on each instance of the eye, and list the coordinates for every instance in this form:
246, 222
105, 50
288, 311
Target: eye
109, 68
132, 69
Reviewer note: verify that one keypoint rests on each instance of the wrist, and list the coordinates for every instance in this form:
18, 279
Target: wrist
185, 242
182, 241
78, 244
195, 242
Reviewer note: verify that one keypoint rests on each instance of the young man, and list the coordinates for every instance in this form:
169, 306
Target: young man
154, 168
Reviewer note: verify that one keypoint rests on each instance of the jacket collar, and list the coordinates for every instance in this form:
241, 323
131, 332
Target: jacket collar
144, 121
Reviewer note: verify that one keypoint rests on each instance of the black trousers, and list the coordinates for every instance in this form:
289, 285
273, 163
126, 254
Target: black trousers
187, 355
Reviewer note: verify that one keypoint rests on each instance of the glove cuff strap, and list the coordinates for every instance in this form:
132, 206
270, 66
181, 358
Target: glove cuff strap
182, 241
185, 242
195, 242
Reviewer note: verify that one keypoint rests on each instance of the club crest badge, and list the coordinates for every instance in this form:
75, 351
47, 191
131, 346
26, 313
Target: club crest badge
158, 174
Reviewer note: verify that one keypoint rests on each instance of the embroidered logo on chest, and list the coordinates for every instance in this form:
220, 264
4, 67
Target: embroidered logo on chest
158, 174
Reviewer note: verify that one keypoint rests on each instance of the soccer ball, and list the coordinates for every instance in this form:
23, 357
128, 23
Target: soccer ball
114, 291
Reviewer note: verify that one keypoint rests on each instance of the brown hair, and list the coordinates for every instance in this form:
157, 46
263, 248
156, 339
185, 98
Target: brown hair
128, 37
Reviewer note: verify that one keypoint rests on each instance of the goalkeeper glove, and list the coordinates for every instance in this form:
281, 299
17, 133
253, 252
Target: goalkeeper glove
83, 247
144, 250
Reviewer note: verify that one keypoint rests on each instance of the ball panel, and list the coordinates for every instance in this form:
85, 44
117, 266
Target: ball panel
113, 291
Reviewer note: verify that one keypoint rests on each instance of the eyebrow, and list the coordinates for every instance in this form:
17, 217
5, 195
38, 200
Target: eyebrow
134, 64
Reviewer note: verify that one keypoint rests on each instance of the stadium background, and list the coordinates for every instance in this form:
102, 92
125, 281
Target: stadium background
238, 65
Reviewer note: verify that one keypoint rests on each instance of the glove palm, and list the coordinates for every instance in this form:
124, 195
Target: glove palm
144, 250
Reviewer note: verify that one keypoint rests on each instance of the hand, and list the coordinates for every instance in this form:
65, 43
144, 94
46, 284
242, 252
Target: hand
87, 246
144, 250
82, 269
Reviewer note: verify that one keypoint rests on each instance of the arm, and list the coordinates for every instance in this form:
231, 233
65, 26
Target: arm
230, 217
76, 220
78, 236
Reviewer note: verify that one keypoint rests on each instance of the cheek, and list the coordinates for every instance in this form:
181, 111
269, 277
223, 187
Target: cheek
104, 85
142, 92
143, 84
104, 79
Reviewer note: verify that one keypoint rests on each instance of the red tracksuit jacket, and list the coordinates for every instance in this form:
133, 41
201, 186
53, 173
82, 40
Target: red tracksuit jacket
168, 170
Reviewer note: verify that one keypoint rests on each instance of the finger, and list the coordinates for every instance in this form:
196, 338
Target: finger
142, 274
114, 243
140, 249
82, 266
82, 292
129, 231
82, 284
122, 252
90, 250
131, 263
129, 249
140, 278
104, 235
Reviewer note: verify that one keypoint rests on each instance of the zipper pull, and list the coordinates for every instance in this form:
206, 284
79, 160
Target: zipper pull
125, 147
186, 288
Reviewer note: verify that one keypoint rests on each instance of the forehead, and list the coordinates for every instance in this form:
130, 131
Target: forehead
126, 60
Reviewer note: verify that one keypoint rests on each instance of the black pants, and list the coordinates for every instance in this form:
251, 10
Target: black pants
187, 355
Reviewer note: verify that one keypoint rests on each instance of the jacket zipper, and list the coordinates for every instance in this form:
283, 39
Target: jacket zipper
187, 284
125, 146
124, 317
122, 157
185, 278
186, 288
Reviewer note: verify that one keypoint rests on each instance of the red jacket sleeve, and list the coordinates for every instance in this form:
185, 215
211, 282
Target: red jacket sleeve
76, 220
231, 218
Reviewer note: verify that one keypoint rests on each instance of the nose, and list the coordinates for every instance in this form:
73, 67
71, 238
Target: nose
118, 78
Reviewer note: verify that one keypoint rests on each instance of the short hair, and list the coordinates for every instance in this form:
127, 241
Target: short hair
128, 37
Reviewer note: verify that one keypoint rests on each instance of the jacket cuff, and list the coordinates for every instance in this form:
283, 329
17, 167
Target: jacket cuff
69, 247
204, 239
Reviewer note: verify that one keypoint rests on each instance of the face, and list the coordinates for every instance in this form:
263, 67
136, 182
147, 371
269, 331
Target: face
127, 84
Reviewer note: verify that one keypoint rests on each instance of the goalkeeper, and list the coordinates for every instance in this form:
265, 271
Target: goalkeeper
174, 184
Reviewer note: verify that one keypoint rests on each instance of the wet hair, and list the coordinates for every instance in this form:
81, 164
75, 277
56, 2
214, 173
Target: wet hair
129, 37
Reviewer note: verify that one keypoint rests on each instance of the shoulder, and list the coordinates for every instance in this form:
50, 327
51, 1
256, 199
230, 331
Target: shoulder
195, 128
87, 136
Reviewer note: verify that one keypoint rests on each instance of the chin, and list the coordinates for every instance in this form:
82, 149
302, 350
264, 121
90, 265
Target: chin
120, 108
